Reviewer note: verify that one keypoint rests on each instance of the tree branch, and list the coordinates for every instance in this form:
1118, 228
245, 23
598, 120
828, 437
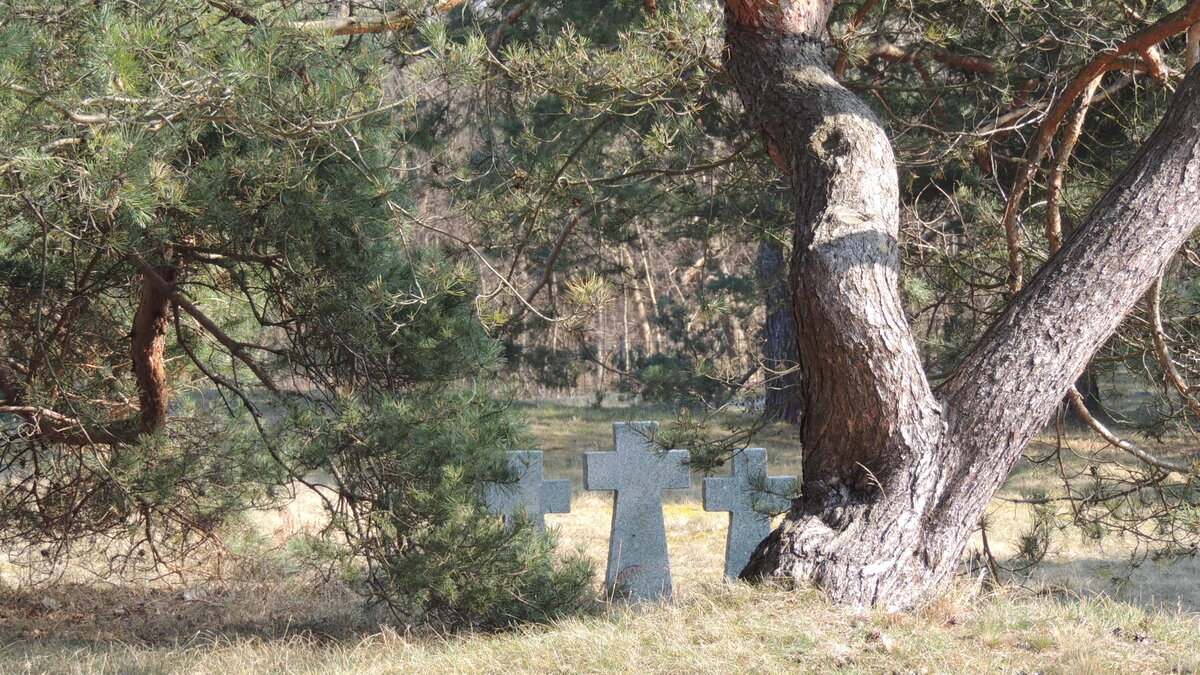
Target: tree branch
65, 429
374, 23
148, 347
76, 117
657, 171
236, 11
1056, 324
548, 273
1116, 442
855, 21
895, 54
1054, 232
1142, 40
537, 211
68, 430
1186, 392
507, 20
237, 349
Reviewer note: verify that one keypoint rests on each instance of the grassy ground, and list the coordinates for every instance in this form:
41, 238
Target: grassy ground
265, 616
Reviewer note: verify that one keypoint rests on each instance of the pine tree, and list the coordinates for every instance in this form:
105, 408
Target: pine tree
208, 296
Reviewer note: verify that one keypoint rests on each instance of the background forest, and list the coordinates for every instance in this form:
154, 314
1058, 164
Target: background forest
255, 249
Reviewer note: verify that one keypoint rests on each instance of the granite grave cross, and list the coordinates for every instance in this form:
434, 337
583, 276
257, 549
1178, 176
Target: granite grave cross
638, 568
530, 492
742, 495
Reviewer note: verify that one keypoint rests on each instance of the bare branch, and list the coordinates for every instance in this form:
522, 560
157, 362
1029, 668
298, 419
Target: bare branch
77, 117
1001, 124
895, 54
1143, 39
557, 249
375, 23
657, 171
1071, 135
236, 11
537, 211
509, 19
1155, 65
54, 426
1113, 440
68, 430
1186, 392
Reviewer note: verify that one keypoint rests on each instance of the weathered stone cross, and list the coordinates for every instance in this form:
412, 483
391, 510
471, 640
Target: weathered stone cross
742, 495
638, 569
530, 493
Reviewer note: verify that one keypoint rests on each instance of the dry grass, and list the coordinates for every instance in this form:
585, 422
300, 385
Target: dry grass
269, 616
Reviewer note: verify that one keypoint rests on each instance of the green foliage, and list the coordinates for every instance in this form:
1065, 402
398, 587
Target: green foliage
411, 474
592, 160
548, 367
605, 143
249, 167
673, 377
1034, 542
609, 170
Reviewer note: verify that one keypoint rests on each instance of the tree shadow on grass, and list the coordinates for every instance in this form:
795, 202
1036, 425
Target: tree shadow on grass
1169, 586
214, 611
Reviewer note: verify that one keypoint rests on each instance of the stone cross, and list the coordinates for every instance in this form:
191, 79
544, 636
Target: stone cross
638, 568
742, 495
530, 493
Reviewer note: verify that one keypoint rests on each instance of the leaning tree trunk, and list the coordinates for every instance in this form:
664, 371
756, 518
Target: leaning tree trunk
896, 475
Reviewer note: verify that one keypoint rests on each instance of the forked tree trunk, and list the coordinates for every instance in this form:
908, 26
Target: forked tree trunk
896, 475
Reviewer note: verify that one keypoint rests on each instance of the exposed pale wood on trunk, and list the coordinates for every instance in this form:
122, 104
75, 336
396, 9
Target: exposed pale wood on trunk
1193, 45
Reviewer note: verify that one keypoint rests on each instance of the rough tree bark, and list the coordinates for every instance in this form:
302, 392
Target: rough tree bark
148, 349
896, 475
147, 341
